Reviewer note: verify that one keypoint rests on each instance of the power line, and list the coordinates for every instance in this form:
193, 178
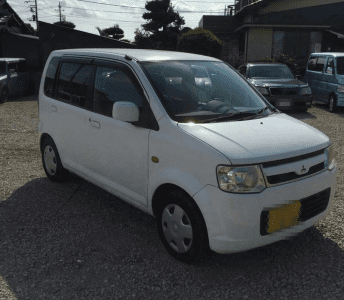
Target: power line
110, 4
184, 11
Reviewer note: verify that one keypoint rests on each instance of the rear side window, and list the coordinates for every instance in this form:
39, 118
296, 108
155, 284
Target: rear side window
22, 67
320, 64
74, 84
311, 64
50, 76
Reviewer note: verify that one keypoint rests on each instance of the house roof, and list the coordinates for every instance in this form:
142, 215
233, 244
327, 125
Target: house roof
138, 54
252, 7
4, 5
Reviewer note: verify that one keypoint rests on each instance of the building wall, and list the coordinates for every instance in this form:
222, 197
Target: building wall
330, 14
12, 45
259, 43
282, 5
53, 37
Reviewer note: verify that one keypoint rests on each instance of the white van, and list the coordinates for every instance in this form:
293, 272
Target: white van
188, 140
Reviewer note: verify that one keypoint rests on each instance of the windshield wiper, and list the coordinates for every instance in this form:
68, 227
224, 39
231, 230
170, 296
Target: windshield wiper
259, 113
227, 117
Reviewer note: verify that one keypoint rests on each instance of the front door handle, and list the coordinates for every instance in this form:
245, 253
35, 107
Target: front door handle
54, 108
94, 123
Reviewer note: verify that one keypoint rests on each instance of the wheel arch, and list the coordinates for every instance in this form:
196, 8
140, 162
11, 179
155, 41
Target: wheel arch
43, 138
167, 188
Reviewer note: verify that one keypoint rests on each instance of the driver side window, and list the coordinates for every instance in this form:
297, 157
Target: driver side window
112, 85
329, 66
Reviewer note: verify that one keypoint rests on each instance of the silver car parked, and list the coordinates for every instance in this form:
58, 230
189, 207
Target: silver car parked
14, 77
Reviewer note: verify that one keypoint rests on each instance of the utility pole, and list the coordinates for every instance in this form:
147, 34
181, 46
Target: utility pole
35, 10
61, 16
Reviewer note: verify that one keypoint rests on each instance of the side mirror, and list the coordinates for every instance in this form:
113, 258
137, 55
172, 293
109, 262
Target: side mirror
125, 111
298, 77
12, 71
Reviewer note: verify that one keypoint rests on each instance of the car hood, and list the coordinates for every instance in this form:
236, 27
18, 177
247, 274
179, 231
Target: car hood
277, 82
275, 137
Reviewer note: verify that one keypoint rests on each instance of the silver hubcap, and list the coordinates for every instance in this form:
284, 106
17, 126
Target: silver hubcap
50, 160
177, 228
331, 103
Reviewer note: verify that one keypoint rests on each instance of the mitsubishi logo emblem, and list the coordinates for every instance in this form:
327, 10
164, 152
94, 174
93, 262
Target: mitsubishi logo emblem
303, 170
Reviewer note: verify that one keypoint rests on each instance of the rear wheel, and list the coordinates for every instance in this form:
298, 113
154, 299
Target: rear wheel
332, 103
182, 229
4, 95
52, 163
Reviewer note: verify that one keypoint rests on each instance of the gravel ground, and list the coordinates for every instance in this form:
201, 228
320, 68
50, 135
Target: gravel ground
76, 241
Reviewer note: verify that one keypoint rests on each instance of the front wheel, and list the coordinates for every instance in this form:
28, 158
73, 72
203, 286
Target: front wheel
333, 104
182, 229
52, 163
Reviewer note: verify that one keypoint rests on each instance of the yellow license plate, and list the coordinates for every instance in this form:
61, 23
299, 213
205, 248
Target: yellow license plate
284, 216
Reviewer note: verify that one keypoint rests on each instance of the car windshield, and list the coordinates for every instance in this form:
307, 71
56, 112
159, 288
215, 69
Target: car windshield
275, 72
340, 65
2, 67
201, 90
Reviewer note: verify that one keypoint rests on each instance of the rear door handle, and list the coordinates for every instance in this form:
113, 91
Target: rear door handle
94, 123
54, 108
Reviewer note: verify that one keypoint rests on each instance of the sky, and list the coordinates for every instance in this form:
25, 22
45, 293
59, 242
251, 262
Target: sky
88, 14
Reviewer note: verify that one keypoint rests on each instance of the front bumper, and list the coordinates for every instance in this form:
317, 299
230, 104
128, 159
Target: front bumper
287, 103
234, 220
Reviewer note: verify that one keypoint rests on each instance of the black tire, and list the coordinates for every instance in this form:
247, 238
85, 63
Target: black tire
192, 249
52, 163
4, 95
332, 103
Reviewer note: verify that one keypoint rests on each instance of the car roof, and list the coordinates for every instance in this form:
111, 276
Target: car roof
138, 54
11, 59
336, 54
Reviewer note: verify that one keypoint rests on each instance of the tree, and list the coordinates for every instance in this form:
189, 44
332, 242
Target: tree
65, 24
200, 41
113, 32
161, 15
144, 40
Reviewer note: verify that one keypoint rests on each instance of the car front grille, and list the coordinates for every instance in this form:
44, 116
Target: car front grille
310, 207
289, 169
283, 91
280, 178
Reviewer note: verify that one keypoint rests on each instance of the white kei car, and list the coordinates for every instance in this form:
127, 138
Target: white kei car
188, 140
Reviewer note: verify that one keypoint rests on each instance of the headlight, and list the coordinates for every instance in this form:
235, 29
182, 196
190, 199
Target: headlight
248, 179
306, 91
262, 90
330, 161
340, 88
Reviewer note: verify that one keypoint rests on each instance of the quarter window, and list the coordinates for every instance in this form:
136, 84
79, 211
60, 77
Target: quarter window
50, 76
115, 84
